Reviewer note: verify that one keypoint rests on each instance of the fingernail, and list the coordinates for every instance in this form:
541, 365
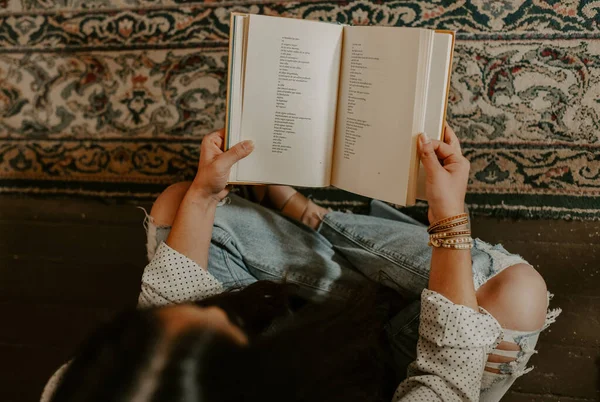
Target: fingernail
425, 139
248, 145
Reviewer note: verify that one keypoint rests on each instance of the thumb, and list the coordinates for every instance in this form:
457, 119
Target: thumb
428, 157
235, 153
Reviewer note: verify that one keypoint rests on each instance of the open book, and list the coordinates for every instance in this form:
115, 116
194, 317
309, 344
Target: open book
335, 105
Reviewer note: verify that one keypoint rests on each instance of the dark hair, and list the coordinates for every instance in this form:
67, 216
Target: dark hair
297, 351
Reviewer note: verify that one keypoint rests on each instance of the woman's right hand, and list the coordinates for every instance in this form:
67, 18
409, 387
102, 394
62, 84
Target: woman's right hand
215, 165
447, 175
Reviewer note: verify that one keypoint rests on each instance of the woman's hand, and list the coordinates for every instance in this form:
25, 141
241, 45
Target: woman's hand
214, 165
192, 229
447, 174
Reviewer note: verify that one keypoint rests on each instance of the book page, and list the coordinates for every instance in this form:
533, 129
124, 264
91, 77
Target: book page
437, 95
290, 98
380, 91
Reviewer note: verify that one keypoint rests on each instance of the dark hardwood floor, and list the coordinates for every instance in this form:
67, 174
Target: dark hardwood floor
68, 265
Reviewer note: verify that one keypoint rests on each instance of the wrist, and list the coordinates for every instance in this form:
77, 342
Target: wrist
200, 197
448, 212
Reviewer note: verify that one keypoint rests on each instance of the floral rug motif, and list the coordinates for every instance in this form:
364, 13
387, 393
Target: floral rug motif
111, 98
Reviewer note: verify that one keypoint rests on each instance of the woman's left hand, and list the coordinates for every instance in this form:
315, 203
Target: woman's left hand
214, 166
447, 175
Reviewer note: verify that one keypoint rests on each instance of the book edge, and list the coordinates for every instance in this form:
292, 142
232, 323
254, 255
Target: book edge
411, 191
229, 66
453, 35
226, 136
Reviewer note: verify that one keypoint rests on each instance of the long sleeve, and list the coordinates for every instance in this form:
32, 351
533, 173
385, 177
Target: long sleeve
171, 277
452, 350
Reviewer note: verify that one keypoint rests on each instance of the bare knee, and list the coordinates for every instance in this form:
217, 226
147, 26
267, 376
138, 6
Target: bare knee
166, 205
516, 297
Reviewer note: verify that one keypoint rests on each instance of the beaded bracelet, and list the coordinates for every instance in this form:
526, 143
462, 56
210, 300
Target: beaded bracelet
449, 223
445, 235
442, 235
467, 246
450, 242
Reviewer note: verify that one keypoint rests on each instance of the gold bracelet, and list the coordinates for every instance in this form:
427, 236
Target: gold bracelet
449, 219
467, 246
449, 223
450, 242
449, 226
443, 243
456, 240
444, 235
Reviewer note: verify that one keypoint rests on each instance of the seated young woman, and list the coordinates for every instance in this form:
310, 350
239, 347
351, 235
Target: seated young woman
298, 303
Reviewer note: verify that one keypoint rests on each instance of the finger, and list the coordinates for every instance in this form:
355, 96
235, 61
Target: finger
218, 142
450, 137
219, 133
445, 152
220, 137
428, 156
215, 138
234, 154
223, 193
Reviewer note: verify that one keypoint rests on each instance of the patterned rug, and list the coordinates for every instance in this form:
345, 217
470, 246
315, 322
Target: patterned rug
111, 98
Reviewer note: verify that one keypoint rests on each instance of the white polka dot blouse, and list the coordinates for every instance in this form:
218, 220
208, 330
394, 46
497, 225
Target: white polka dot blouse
454, 340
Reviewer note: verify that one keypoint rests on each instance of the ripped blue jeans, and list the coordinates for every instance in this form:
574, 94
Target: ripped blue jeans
251, 243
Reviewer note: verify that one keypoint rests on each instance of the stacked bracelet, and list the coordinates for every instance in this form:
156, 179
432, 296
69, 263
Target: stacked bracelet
443, 233
449, 223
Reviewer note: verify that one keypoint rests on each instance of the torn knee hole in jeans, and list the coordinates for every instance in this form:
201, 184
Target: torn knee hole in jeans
509, 356
512, 354
502, 356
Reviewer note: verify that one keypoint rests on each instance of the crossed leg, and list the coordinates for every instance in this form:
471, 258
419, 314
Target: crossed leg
516, 297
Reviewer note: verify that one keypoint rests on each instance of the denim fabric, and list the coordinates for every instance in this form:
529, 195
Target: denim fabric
251, 243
